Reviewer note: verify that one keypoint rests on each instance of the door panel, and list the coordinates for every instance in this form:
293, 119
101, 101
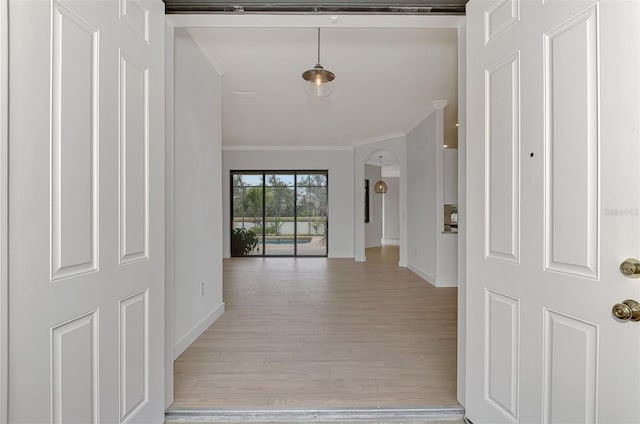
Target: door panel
133, 111
502, 338
572, 141
86, 219
570, 369
553, 113
502, 170
74, 144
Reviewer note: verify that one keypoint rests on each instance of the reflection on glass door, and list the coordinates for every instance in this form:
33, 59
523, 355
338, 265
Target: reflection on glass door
311, 214
247, 214
280, 213
279, 237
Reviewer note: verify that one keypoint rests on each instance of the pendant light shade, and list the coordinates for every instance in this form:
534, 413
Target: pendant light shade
380, 187
318, 79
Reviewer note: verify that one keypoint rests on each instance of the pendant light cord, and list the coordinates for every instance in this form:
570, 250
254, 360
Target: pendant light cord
318, 44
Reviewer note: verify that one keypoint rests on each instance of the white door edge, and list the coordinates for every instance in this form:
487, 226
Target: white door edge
169, 278
4, 197
462, 200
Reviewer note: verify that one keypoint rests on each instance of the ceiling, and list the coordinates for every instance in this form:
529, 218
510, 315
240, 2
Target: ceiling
447, 7
386, 79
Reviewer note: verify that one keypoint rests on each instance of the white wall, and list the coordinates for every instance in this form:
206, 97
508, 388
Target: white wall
433, 255
339, 163
391, 211
421, 201
373, 228
197, 212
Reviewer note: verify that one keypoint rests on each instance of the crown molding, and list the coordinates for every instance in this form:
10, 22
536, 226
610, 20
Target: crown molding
285, 148
378, 139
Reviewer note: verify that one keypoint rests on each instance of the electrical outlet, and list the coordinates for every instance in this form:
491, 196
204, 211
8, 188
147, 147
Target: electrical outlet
202, 288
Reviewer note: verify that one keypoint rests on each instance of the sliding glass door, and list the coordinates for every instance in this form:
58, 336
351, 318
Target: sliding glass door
311, 214
247, 208
281, 213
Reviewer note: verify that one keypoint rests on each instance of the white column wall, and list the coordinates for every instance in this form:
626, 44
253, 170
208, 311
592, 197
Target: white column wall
422, 199
432, 254
447, 243
197, 187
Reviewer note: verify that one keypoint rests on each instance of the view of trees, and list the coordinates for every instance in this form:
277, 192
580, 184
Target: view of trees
284, 197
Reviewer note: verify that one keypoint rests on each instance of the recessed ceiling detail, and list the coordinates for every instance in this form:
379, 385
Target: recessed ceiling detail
425, 7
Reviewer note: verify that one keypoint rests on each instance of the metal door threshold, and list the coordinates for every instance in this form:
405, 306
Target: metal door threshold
341, 415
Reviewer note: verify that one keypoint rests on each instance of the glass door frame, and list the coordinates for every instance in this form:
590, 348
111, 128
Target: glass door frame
262, 242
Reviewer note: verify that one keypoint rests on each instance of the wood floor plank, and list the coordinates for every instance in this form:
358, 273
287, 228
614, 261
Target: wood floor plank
319, 333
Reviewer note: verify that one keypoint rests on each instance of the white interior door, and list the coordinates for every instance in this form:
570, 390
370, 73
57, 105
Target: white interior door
553, 163
86, 211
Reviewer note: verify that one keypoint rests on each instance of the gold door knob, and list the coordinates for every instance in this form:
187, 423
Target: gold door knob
630, 267
628, 310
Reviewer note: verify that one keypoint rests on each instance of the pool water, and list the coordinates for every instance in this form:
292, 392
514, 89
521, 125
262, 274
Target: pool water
301, 240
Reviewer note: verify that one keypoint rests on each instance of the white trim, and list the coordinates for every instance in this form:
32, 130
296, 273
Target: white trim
4, 202
283, 148
422, 274
367, 415
435, 282
306, 21
446, 283
440, 104
191, 336
379, 138
462, 196
169, 317
390, 242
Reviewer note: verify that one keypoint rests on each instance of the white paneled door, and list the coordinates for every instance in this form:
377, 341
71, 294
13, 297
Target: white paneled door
553, 210
86, 142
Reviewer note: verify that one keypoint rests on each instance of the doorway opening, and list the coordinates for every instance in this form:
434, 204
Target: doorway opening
323, 332
382, 228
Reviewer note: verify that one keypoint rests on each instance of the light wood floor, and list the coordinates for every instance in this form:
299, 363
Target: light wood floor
323, 333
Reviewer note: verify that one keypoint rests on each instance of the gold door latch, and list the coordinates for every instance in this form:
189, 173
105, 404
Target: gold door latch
630, 267
628, 310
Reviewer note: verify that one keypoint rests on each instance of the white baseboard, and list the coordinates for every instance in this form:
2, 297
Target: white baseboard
422, 274
390, 242
446, 283
191, 336
430, 278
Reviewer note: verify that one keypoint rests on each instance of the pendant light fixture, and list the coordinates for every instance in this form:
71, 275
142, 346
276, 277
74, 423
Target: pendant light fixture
381, 186
318, 79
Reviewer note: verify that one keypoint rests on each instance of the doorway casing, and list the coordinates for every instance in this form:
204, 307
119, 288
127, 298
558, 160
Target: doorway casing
174, 22
4, 197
